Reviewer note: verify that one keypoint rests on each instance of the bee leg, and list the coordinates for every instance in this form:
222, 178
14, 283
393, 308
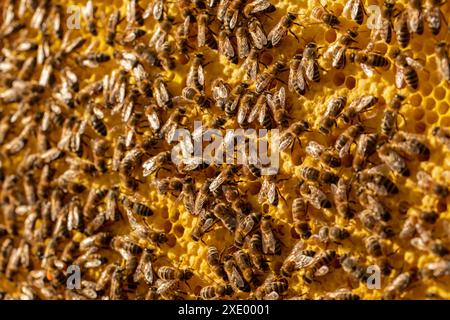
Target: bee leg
295, 36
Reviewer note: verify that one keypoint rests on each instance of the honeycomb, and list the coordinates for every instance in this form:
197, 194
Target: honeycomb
423, 110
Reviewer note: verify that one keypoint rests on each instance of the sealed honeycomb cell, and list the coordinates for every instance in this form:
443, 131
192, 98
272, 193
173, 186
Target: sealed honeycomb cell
92, 93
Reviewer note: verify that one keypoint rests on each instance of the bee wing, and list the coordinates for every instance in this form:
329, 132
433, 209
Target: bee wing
272, 101
242, 113
367, 70
254, 113
201, 34
162, 95
158, 9
314, 149
348, 8
418, 243
226, 48
308, 67
276, 34
222, 10
272, 193
234, 19
147, 271
424, 180
251, 66
88, 10
236, 278
217, 182
259, 5
263, 191
414, 63
323, 270
149, 166
257, 34
262, 81
399, 78
243, 47
286, 140
220, 92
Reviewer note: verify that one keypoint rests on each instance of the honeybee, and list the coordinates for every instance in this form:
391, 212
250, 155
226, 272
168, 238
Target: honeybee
256, 253
442, 135
234, 276
375, 206
224, 177
406, 70
340, 294
322, 14
297, 81
319, 152
89, 16
5, 253
433, 15
195, 77
389, 120
245, 227
270, 244
111, 30
383, 28
368, 59
427, 184
297, 259
269, 190
399, 285
354, 9
341, 199
162, 94
264, 79
225, 47
213, 259
220, 92
116, 291
170, 273
401, 28
242, 42
204, 224
358, 106
410, 145
257, 35
319, 265
281, 28
182, 44
436, 269
136, 207
415, 16
91, 59
309, 62
393, 160
334, 109
155, 163
226, 215
443, 59
333, 233
314, 196
89, 91
244, 263
257, 7
346, 138
272, 288
288, 136
351, 266
205, 36
338, 50
375, 181
216, 292
94, 198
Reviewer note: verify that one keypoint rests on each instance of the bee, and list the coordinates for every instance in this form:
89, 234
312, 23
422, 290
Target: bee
375, 206
225, 46
334, 234
442, 135
427, 184
221, 91
383, 28
111, 30
205, 36
105, 277
281, 28
256, 253
5, 253
155, 163
202, 199
319, 265
224, 177
410, 145
125, 243
128, 164
171, 273
273, 286
341, 294
257, 35
389, 120
264, 79
375, 181
213, 259
399, 284
373, 246
341, 199
245, 227
415, 16
258, 7
351, 266
270, 244
334, 109
204, 224
226, 215
442, 56
165, 56
358, 106
354, 9
338, 50
216, 292
162, 94
393, 160
406, 70
116, 291
74, 219
315, 196
436, 269
251, 64
346, 139
319, 152
94, 198
401, 28
182, 44
261, 112
89, 16
269, 191
322, 14
137, 207
195, 77
234, 276
242, 42
365, 147
88, 92
232, 12
309, 173
134, 13
244, 263
297, 259
297, 82
118, 153
434, 15
288, 136
309, 62
368, 59
92, 59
